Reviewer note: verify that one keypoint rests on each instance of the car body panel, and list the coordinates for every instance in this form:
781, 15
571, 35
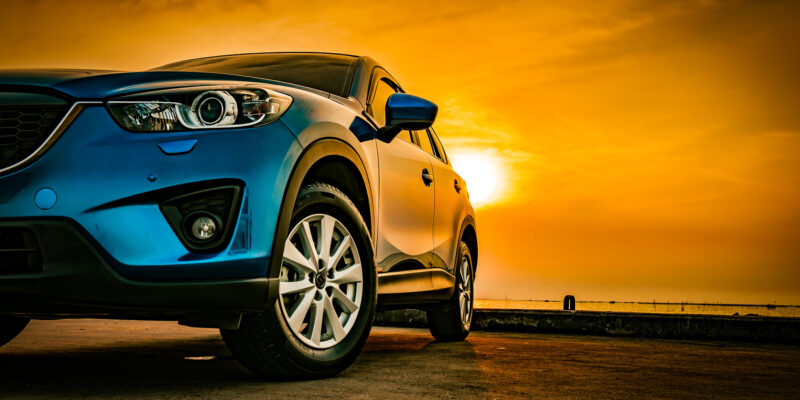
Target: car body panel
405, 222
450, 209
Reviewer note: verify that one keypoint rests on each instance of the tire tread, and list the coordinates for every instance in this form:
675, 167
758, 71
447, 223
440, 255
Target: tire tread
444, 320
259, 342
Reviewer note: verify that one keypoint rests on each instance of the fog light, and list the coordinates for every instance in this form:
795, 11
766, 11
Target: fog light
203, 219
203, 228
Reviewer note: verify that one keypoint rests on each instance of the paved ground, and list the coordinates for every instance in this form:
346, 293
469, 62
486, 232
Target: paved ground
120, 359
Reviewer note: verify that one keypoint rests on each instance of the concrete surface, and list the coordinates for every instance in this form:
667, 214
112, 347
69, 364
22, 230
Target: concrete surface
663, 326
131, 359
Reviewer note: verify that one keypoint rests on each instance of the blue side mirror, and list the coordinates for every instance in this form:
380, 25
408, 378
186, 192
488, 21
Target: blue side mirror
406, 112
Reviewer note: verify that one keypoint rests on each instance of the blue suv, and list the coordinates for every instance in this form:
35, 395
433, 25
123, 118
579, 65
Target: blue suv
280, 197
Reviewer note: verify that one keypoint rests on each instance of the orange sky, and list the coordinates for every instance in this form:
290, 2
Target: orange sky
645, 150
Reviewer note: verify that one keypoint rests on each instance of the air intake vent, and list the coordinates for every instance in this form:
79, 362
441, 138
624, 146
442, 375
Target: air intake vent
19, 251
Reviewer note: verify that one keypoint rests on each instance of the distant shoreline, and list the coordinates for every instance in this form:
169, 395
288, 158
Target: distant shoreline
685, 308
652, 302
747, 328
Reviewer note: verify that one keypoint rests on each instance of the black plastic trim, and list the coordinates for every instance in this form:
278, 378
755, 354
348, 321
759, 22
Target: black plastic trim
77, 280
170, 209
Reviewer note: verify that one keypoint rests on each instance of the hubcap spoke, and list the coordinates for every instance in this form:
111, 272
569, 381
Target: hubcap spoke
337, 255
300, 312
326, 236
296, 286
294, 257
333, 322
316, 323
343, 300
350, 275
310, 243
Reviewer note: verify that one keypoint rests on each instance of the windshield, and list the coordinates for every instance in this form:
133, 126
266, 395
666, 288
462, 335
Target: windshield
330, 73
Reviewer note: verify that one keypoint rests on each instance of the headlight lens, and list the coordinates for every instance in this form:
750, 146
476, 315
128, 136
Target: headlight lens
199, 108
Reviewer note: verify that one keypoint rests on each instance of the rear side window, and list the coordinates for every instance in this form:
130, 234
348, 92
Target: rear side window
377, 108
438, 146
425, 143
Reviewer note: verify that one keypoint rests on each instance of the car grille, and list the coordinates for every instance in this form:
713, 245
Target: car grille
19, 251
23, 129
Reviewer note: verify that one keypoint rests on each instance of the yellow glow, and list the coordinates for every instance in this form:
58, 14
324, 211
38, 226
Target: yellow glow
483, 174
633, 149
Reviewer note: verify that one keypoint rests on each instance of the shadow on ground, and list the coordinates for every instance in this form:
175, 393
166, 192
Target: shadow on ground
123, 365
128, 359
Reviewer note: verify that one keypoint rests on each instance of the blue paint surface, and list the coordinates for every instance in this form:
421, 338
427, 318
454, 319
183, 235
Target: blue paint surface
96, 163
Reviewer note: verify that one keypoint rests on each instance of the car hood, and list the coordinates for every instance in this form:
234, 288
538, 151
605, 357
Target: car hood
84, 84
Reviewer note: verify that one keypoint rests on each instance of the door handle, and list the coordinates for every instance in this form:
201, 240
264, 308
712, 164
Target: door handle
427, 178
457, 186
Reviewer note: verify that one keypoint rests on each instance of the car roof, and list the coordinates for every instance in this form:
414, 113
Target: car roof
320, 53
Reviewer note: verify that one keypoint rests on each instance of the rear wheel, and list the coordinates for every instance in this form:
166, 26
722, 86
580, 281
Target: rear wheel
451, 320
326, 302
10, 327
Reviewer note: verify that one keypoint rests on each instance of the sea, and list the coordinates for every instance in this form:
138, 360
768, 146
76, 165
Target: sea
767, 310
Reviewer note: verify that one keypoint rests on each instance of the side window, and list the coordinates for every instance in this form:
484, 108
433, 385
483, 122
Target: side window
425, 143
438, 145
377, 108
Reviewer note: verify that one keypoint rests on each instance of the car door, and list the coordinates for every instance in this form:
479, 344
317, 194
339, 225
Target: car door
405, 206
449, 201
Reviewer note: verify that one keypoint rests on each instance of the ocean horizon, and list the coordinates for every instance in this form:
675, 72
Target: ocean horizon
767, 310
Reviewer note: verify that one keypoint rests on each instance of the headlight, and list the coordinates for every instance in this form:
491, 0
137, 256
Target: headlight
198, 108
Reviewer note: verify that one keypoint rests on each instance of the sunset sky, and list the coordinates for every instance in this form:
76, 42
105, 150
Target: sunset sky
627, 150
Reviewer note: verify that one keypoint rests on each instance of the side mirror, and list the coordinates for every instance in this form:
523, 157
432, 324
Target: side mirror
406, 112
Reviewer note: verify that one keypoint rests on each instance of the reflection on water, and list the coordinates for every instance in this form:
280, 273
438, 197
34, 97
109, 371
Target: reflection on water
663, 308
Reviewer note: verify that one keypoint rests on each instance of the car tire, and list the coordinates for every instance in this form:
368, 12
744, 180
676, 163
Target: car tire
10, 327
271, 343
450, 321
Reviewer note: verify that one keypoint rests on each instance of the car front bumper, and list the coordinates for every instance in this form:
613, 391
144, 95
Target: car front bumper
106, 243
76, 278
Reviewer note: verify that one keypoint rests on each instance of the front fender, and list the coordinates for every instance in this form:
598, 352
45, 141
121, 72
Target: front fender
313, 153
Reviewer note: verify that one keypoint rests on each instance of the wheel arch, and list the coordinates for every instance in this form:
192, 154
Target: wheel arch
328, 160
343, 173
469, 235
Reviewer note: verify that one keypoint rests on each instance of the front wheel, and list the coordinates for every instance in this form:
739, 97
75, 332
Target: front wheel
327, 294
451, 320
10, 327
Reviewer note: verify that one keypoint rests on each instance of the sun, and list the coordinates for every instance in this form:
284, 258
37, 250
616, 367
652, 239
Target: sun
483, 172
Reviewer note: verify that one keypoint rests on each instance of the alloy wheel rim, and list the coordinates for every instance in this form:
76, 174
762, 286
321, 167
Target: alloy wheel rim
465, 292
321, 282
